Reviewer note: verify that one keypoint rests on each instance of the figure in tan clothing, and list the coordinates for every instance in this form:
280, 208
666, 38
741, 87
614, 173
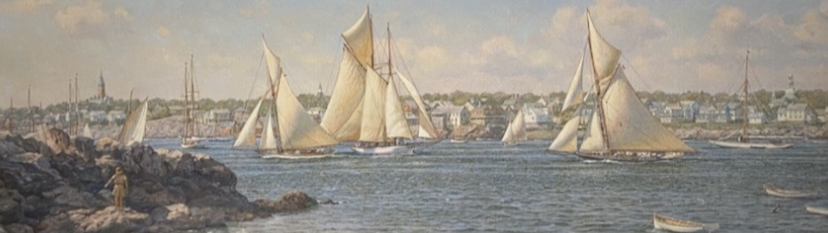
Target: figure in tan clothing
120, 189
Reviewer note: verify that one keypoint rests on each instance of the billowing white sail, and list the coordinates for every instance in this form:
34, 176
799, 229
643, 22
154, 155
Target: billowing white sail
575, 94
630, 126
373, 109
268, 140
86, 131
567, 139
360, 39
343, 117
396, 125
593, 138
604, 55
516, 131
134, 126
247, 136
426, 126
297, 130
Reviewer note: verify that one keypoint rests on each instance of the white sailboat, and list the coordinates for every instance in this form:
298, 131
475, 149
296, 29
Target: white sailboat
743, 142
134, 126
189, 139
299, 135
620, 128
516, 131
87, 132
365, 107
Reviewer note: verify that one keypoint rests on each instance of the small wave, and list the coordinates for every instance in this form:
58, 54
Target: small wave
603, 161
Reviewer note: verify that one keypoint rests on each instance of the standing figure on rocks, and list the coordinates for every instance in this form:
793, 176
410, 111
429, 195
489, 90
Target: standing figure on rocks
120, 189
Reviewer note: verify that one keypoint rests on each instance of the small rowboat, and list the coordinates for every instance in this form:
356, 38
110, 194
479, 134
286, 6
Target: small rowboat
816, 210
774, 191
677, 225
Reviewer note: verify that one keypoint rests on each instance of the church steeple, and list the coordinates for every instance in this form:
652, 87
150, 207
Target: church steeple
101, 86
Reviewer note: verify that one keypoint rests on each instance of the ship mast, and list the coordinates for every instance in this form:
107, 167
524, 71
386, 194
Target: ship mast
599, 95
744, 104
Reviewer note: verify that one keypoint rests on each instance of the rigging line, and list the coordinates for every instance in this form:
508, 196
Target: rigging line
636, 73
756, 77
253, 85
331, 71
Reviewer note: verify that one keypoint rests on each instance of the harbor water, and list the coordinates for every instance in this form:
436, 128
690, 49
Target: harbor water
486, 187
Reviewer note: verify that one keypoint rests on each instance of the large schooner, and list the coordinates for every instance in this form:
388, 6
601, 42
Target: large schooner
299, 135
365, 107
620, 128
189, 139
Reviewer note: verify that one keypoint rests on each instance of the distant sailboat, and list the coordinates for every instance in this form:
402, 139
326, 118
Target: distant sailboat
365, 107
87, 132
299, 135
621, 128
516, 131
189, 139
134, 126
743, 141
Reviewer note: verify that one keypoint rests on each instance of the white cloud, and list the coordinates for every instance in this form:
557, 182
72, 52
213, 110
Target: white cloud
90, 19
23, 6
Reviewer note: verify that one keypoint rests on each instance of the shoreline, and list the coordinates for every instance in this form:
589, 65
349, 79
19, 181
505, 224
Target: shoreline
54, 183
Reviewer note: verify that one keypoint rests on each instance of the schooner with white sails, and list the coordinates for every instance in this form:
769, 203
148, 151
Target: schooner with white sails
299, 135
189, 140
365, 107
620, 128
516, 131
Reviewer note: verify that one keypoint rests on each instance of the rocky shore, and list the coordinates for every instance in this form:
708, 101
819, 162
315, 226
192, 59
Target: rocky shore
51, 183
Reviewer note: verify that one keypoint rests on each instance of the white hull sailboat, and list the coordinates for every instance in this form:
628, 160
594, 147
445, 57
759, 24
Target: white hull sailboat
789, 193
189, 140
365, 106
516, 131
299, 135
620, 128
743, 142
678, 225
135, 126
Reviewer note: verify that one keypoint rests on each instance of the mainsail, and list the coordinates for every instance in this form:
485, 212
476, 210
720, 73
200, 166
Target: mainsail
134, 126
343, 116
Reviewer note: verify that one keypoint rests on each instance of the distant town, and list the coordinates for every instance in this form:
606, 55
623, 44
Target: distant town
480, 115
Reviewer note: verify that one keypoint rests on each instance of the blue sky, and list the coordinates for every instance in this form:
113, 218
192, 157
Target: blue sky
509, 46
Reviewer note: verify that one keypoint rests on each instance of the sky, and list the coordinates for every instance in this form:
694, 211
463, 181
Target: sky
468, 45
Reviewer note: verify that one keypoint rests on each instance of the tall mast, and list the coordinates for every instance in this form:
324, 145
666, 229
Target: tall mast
599, 95
273, 96
192, 95
69, 108
186, 105
76, 126
29, 105
390, 72
744, 104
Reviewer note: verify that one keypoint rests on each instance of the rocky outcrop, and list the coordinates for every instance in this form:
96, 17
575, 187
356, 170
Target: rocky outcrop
56, 184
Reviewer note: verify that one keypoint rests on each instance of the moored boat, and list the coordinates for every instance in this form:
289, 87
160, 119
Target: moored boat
775, 191
816, 210
679, 225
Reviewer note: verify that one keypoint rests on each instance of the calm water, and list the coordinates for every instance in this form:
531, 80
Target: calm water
484, 187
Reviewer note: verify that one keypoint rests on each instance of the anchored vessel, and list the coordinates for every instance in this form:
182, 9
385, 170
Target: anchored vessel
679, 225
743, 141
619, 127
189, 139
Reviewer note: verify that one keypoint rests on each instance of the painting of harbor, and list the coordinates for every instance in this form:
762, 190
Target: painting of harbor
413, 116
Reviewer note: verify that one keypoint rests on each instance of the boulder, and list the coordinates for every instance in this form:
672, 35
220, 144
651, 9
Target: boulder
18, 228
109, 219
291, 201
